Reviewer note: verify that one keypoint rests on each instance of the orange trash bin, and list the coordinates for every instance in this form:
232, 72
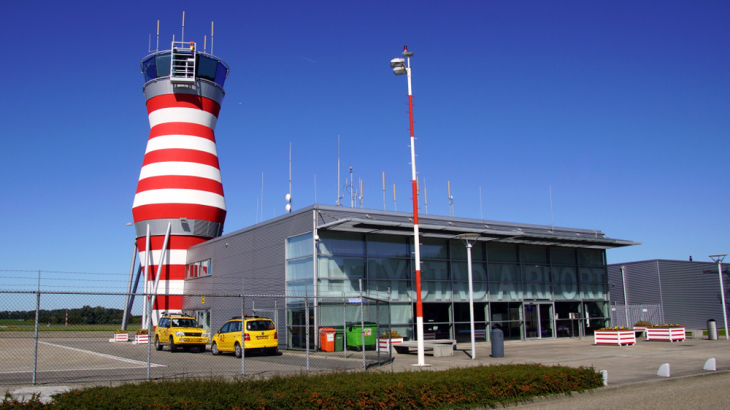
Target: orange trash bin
327, 339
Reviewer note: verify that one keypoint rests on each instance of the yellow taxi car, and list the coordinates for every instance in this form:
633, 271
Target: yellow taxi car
259, 335
177, 330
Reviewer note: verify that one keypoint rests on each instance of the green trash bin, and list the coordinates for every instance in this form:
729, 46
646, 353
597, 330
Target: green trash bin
339, 341
354, 336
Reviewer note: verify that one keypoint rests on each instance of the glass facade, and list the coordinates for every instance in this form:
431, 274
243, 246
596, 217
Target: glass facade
527, 291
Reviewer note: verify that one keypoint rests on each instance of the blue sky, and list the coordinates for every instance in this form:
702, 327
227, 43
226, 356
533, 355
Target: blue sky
621, 107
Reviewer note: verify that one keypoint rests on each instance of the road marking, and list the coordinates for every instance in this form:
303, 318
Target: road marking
108, 356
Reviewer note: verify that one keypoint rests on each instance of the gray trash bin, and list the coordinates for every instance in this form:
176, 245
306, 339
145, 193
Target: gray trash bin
712, 329
497, 338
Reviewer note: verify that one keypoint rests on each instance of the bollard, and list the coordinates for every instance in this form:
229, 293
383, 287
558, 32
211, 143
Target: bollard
604, 375
711, 329
710, 364
497, 338
663, 370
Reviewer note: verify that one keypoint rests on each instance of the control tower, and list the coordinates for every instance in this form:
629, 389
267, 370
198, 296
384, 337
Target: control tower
179, 200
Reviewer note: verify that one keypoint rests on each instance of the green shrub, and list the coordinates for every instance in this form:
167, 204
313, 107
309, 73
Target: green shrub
463, 387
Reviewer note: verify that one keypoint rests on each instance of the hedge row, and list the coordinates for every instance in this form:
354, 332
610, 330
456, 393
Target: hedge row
454, 388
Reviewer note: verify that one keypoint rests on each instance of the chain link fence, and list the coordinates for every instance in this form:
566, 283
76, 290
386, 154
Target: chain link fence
634, 313
50, 337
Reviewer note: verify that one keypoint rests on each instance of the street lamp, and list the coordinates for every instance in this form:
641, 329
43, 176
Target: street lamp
469, 239
718, 259
403, 66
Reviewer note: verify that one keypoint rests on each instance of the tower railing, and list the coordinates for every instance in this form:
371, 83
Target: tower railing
182, 62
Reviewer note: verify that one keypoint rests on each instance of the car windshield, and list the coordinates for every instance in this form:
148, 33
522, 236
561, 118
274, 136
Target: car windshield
259, 325
184, 323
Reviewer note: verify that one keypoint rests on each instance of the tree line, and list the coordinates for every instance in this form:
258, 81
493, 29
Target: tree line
86, 315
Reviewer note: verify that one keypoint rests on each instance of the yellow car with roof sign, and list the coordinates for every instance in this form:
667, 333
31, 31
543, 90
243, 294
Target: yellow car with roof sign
177, 330
259, 335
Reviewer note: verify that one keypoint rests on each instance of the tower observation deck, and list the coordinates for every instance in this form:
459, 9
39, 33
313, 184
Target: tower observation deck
179, 200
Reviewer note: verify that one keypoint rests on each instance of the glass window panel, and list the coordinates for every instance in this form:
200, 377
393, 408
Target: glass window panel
590, 257
404, 331
388, 246
594, 324
400, 290
461, 291
592, 275
340, 267
300, 287
162, 61
537, 291
394, 269
562, 256
436, 312
566, 291
298, 246
505, 291
506, 311
432, 270
439, 331
435, 291
149, 69
567, 328
511, 330
594, 291
462, 314
334, 287
533, 254
596, 309
432, 248
568, 310
206, 67
338, 243
463, 332
401, 313
299, 269
220, 74
535, 273
460, 271
458, 251
504, 273
501, 252
564, 274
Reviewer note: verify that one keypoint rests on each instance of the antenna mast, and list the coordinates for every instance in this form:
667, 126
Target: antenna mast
383, 191
360, 193
451, 199
157, 47
182, 38
552, 220
211, 37
288, 196
395, 204
262, 197
425, 195
353, 193
481, 215
339, 196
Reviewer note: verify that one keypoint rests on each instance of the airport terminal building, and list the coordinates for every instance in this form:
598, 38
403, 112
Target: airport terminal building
531, 281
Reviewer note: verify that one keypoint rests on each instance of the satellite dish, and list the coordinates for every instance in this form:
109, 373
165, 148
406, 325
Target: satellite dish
288, 197
288, 207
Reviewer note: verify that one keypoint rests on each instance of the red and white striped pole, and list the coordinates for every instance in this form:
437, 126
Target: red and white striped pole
399, 66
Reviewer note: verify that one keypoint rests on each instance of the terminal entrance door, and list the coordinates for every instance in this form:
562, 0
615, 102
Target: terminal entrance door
538, 320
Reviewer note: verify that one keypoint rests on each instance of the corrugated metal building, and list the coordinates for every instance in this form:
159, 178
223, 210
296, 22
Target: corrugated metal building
532, 281
688, 292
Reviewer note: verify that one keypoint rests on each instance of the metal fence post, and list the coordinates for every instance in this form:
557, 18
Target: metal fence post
390, 329
37, 312
243, 337
377, 325
344, 324
306, 321
362, 327
150, 332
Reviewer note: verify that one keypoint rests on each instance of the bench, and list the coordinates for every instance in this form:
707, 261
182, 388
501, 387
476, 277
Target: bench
439, 348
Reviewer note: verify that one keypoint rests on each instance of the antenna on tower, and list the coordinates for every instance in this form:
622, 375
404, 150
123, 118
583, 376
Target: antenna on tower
552, 219
338, 172
383, 191
182, 38
205, 43
395, 204
315, 188
262, 197
157, 47
425, 195
288, 196
353, 192
451, 199
361, 193
149, 44
211, 37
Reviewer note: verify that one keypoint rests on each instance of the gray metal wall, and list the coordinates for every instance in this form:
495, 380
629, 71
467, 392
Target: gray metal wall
688, 291
254, 256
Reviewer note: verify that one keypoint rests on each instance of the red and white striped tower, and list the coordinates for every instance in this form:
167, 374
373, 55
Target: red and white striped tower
400, 67
180, 181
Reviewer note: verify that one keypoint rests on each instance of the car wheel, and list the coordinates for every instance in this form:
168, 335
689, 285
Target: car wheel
214, 349
173, 348
238, 350
158, 346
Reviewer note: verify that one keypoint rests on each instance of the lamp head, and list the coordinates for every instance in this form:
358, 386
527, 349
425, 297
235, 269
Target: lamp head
406, 53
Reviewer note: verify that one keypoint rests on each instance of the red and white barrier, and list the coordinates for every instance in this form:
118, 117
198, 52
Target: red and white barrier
670, 334
141, 339
614, 337
384, 344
